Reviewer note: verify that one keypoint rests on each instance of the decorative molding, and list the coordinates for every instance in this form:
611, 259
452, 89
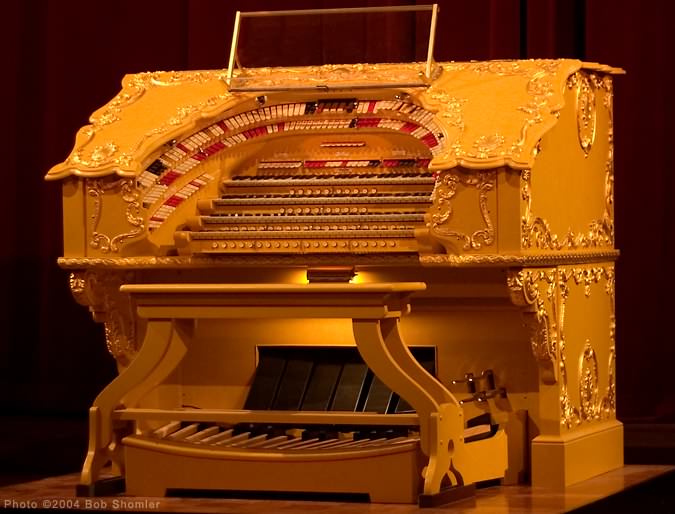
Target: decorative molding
441, 210
126, 188
518, 260
246, 260
500, 260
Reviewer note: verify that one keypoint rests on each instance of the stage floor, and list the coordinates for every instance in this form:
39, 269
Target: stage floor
649, 488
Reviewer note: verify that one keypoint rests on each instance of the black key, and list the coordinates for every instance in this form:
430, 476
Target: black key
293, 384
350, 386
322, 386
266, 382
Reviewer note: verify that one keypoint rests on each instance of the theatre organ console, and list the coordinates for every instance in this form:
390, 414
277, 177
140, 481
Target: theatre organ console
323, 283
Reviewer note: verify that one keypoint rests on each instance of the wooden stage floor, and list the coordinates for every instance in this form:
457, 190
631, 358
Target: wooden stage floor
648, 489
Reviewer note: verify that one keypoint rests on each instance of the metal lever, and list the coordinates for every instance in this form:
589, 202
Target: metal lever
469, 380
483, 396
489, 376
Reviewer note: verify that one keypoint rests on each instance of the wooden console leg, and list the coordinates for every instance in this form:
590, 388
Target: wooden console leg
157, 339
388, 357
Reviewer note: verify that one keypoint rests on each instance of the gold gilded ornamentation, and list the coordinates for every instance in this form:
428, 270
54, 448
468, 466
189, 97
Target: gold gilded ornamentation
499, 148
449, 107
488, 146
146, 262
441, 211
107, 154
569, 412
543, 295
539, 317
78, 285
99, 291
487, 260
333, 74
131, 195
609, 401
537, 233
539, 87
588, 384
585, 108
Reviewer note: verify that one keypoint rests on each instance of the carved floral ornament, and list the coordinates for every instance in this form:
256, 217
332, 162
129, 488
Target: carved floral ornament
542, 295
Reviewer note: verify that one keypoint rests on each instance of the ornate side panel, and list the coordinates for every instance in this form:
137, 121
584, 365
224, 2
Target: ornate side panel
569, 313
114, 215
567, 197
461, 218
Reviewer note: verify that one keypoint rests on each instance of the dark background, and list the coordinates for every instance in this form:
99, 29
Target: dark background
66, 58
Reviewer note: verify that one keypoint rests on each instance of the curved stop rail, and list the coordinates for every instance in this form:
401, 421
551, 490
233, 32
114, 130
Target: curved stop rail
375, 311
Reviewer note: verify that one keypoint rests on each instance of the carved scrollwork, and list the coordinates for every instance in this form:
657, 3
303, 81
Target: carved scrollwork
441, 211
96, 189
99, 291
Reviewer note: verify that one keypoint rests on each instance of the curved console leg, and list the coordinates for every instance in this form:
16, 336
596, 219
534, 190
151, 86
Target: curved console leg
447, 426
170, 360
402, 356
435, 425
441, 418
157, 340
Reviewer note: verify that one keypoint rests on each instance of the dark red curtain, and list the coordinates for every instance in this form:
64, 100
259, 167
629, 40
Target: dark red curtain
66, 58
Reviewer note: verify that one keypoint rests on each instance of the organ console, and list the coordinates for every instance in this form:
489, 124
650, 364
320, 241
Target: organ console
326, 282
